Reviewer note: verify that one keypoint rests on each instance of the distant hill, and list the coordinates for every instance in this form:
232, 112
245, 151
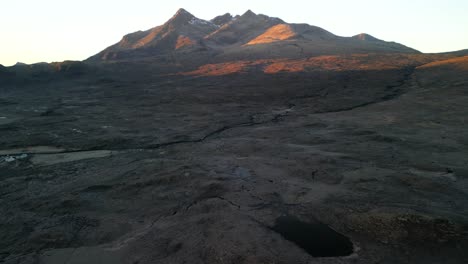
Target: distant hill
457, 53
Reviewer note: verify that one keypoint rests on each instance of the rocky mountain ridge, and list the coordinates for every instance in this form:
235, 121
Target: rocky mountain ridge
250, 35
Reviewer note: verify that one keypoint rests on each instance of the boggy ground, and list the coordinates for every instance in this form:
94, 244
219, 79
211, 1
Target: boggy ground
189, 169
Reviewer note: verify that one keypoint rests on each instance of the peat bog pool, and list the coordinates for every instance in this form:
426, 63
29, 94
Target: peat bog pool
317, 239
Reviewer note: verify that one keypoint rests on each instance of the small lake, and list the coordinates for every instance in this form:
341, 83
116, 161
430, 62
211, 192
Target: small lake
318, 239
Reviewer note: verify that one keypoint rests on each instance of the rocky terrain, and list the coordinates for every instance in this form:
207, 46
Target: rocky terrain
236, 140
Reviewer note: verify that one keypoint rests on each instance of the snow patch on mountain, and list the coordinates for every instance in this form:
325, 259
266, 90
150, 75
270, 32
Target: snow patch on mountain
197, 21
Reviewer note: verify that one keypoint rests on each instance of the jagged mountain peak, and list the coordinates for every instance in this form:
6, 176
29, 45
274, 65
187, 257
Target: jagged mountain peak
181, 17
249, 13
222, 20
183, 30
242, 29
182, 11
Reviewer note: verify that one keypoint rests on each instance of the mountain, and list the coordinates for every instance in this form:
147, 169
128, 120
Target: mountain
242, 29
284, 31
3, 72
182, 31
365, 37
457, 53
249, 36
221, 20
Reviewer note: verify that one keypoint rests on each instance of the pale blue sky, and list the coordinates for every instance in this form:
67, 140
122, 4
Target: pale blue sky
56, 30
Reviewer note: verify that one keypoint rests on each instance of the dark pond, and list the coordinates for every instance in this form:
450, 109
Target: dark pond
318, 239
